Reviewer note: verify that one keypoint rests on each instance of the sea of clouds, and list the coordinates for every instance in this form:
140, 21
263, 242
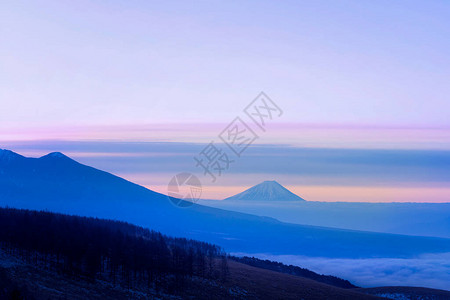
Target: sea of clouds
431, 270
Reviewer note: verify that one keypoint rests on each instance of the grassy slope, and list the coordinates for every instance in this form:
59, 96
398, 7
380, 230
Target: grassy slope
266, 284
244, 282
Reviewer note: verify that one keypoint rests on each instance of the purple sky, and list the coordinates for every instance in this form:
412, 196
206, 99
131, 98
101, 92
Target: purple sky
348, 75
115, 62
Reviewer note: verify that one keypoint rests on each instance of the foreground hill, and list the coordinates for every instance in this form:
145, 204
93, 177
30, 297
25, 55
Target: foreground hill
244, 282
57, 183
47, 256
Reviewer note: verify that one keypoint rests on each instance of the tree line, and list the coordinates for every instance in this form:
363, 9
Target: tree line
122, 253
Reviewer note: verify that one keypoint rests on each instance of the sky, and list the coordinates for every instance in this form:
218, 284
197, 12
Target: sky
364, 76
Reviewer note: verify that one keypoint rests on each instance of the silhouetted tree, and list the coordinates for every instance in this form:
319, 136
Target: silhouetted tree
90, 248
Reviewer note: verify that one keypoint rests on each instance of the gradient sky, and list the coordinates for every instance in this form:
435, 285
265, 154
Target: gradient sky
362, 75
128, 62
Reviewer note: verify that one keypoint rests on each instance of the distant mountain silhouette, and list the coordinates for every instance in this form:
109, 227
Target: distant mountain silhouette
56, 177
57, 183
7, 156
266, 191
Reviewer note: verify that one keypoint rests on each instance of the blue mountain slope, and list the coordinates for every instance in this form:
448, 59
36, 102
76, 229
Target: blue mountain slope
58, 183
425, 219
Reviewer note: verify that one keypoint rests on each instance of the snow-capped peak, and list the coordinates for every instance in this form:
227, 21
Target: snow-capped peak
55, 155
267, 191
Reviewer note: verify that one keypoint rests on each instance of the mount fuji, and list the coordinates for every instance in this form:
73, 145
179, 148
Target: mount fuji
266, 191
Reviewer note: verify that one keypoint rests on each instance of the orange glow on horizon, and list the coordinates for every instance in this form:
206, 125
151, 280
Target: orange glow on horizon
339, 193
